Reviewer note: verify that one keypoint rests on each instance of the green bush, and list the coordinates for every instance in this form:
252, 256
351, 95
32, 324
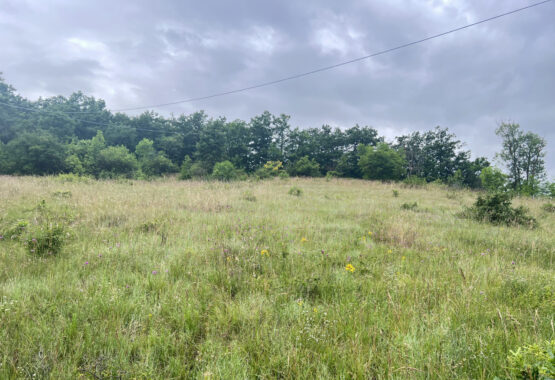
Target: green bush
533, 362
548, 207
224, 171
305, 167
395, 193
295, 191
496, 209
381, 163
47, 232
185, 171
409, 206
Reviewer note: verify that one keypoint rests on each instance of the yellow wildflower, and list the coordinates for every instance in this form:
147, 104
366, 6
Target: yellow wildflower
350, 268
403, 258
264, 252
315, 310
389, 251
370, 233
304, 240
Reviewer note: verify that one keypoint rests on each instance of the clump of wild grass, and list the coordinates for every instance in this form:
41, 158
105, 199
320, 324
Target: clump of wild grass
395, 193
248, 196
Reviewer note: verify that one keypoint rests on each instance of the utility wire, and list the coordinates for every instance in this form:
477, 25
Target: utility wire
326, 68
304, 74
58, 113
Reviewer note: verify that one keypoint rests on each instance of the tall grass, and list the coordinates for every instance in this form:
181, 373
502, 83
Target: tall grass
171, 280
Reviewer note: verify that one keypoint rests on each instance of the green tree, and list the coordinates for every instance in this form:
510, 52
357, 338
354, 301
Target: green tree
35, 153
523, 155
381, 163
493, 179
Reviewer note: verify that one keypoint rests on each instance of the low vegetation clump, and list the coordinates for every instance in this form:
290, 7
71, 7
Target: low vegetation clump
533, 362
496, 208
295, 191
409, 206
200, 279
548, 207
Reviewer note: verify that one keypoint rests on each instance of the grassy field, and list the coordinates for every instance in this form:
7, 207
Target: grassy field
171, 280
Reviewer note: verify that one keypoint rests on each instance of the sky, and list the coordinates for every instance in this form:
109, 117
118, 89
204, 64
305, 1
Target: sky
139, 53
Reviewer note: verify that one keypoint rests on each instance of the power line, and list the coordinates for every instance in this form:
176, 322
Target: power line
58, 113
307, 73
326, 68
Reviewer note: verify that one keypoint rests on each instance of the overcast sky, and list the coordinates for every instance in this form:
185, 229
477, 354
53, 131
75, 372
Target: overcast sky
135, 53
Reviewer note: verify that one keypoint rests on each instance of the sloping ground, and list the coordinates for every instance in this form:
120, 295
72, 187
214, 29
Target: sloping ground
174, 279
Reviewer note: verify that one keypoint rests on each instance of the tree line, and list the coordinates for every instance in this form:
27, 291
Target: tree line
79, 135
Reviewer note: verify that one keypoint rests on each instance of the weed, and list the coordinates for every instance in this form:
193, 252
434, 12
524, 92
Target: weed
395, 193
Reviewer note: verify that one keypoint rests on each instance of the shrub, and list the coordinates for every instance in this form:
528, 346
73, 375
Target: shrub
198, 171
297, 192
409, 206
548, 207
185, 171
47, 233
283, 175
381, 163
116, 161
305, 167
496, 209
395, 193
224, 171
534, 362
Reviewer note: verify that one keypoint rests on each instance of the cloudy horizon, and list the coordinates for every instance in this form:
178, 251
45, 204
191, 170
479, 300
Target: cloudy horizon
139, 53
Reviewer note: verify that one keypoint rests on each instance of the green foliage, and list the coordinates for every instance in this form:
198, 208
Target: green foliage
533, 362
46, 234
548, 207
381, 163
409, 206
493, 180
496, 209
305, 167
34, 153
224, 171
116, 161
185, 171
396, 193
198, 170
295, 191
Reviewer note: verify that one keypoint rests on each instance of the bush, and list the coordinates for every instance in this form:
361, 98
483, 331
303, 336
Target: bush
548, 207
198, 171
305, 167
534, 362
224, 171
185, 171
381, 163
116, 161
395, 193
46, 234
496, 209
295, 191
409, 206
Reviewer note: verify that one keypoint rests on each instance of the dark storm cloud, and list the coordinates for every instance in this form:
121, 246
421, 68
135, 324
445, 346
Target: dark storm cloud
143, 52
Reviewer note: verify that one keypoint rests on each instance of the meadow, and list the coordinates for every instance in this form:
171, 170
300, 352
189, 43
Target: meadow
334, 279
